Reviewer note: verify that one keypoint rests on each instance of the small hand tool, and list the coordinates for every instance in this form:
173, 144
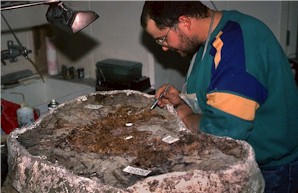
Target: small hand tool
156, 100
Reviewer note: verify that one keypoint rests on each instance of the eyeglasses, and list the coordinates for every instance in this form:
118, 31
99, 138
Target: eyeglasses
161, 40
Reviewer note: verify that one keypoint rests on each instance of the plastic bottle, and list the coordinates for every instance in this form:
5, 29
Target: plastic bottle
25, 114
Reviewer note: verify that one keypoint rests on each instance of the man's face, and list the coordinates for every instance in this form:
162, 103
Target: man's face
173, 39
188, 45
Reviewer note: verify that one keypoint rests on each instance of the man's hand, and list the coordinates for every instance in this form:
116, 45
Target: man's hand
189, 118
170, 97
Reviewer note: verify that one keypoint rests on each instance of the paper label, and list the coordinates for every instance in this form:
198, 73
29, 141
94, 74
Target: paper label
136, 171
128, 137
169, 139
90, 106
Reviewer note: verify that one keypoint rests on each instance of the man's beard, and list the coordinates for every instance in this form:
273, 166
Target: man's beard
189, 45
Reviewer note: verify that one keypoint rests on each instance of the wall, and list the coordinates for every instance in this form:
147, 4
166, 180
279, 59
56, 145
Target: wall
118, 34
21, 21
292, 22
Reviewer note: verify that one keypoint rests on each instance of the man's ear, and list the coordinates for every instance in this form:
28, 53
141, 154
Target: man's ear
184, 22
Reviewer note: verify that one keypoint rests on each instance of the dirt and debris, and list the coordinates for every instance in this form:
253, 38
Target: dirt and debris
98, 137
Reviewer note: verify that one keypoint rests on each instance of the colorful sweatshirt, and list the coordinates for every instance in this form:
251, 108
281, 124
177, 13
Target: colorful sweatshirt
246, 90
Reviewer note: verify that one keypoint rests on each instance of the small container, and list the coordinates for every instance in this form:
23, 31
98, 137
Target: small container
72, 72
52, 104
81, 73
64, 71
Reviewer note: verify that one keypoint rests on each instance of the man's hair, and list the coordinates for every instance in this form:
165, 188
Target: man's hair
166, 13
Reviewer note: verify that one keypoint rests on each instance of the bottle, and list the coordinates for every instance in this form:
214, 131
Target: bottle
25, 114
52, 104
81, 73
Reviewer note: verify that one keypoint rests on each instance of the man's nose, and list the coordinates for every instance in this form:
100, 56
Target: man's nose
165, 48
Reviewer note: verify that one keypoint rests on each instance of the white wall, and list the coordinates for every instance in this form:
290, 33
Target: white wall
118, 34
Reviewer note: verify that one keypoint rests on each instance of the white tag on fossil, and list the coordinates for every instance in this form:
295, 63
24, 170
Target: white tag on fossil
90, 106
169, 139
136, 171
128, 137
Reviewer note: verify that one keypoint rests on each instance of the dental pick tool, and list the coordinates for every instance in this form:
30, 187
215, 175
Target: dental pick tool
156, 100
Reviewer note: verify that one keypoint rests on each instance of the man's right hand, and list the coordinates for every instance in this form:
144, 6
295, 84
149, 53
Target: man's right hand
170, 97
188, 117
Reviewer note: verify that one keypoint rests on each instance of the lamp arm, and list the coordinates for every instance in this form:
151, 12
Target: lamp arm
30, 4
10, 29
19, 50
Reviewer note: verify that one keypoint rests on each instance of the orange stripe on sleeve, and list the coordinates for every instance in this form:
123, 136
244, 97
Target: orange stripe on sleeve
218, 44
233, 104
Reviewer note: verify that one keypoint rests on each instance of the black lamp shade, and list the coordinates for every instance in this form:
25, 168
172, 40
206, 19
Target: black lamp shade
68, 19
